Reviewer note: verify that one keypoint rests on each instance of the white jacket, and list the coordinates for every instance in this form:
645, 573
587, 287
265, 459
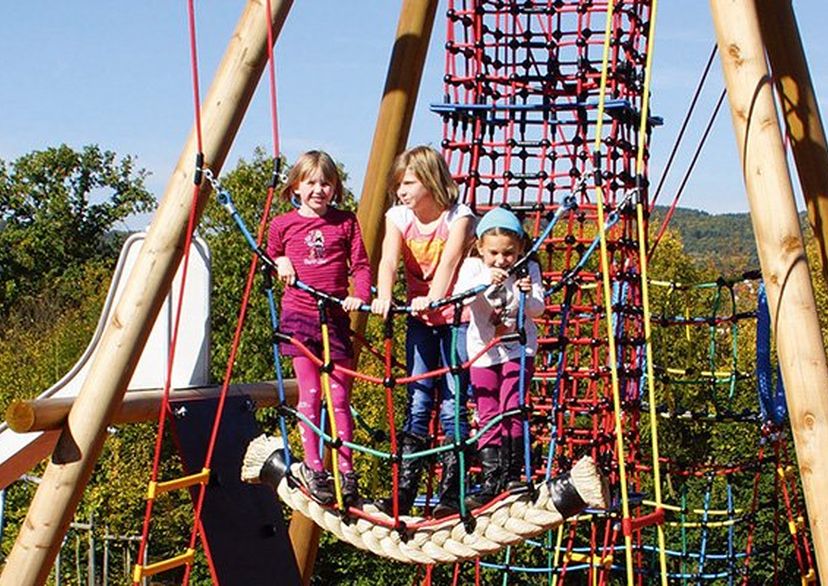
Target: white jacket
494, 312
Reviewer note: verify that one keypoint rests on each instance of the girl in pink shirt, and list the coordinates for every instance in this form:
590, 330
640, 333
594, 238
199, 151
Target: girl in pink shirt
431, 232
321, 246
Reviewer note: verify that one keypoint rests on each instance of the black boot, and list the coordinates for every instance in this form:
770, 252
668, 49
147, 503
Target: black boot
490, 478
449, 503
411, 469
512, 461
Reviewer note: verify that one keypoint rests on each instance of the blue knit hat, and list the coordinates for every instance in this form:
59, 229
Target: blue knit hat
499, 218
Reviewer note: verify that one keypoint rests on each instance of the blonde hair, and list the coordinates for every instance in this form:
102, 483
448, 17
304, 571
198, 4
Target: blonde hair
308, 163
430, 169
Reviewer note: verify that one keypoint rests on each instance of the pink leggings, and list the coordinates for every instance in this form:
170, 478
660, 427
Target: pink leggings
311, 399
496, 391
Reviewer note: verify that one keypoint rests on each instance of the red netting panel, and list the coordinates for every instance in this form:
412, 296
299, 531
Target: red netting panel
520, 105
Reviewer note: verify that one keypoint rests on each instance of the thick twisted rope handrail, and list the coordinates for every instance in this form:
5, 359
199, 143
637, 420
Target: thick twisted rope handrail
506, 521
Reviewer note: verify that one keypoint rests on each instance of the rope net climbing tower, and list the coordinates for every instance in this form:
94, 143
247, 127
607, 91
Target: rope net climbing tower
524, 109
530, 122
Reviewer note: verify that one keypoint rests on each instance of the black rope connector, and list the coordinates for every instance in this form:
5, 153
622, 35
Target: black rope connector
267, 279
510, 337
199, 168
565, 497
469, 523
274, 469
389, 382
379, 435
277, 171
267, 262
335, 443
345, 516
402, 530
279, 336
457, 369
522, 336
286, 411
396, 458
327, 367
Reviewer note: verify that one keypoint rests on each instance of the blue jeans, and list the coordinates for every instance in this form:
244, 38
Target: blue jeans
428, 348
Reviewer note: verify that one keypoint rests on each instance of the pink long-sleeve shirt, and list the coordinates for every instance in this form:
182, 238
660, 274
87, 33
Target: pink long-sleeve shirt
325, 252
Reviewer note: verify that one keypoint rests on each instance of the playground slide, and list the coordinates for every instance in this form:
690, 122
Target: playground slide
20, 452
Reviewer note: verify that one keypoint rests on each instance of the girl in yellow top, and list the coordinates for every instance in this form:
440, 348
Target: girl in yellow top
431, 232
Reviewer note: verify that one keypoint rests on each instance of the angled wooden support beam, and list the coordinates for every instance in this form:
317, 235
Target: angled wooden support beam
124, 337
800, 109
781, 252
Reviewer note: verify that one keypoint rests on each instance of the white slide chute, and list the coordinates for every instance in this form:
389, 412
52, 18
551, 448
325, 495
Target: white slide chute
19, 452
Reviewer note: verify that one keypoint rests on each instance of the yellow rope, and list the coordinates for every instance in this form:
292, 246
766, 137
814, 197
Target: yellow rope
326, 387
616, 398
645, 292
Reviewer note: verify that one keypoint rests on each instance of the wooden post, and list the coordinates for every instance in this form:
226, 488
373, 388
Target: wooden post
399, 97
801, 112
124, 337
781, 252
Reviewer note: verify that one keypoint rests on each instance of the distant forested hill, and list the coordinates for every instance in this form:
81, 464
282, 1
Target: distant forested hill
722, 241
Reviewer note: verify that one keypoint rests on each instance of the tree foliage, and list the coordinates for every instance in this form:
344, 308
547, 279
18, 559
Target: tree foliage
58, 208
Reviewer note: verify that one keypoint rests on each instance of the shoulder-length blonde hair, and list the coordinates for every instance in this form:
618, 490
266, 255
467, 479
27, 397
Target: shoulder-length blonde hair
430, 169
307, 164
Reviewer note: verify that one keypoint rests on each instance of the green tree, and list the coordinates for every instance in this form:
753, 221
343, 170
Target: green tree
58, 208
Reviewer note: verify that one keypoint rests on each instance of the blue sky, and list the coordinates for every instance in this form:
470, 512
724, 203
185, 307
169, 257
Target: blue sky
118, 74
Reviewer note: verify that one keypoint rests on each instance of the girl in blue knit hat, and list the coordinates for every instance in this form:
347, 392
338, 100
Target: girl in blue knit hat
496, 373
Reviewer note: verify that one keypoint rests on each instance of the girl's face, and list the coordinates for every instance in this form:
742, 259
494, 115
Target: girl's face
315, 193
500, 251
411, 192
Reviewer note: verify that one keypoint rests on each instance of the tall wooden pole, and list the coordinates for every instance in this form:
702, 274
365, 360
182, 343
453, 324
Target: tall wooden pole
781, 252
399, 98
390, 137
799, 108
123, 339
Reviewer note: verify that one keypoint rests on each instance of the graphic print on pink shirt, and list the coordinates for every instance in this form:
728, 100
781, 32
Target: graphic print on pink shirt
315, 240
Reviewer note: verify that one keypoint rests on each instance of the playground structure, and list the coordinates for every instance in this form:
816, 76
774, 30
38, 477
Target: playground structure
491, 123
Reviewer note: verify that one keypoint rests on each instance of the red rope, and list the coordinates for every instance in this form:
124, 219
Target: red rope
251, 275
164, 410
699, 148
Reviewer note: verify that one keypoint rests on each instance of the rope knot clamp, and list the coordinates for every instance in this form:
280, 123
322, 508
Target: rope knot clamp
335, 443
389, 382
456, 369
327, 367
396, 458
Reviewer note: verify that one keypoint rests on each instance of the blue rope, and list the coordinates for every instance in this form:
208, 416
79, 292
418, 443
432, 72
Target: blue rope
772, 403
